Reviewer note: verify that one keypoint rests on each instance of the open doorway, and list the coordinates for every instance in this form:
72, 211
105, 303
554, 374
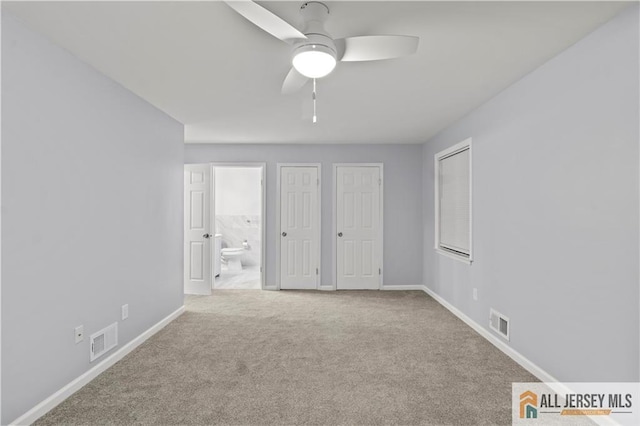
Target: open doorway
238, 219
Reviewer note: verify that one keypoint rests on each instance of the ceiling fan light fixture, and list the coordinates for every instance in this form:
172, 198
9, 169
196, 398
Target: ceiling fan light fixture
314, 60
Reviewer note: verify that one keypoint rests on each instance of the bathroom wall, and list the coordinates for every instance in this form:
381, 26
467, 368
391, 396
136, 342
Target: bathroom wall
402, 197
92, 182
555, 210
238, 204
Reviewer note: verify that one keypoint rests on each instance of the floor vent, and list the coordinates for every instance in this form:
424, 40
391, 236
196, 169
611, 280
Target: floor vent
103, 341
499, 323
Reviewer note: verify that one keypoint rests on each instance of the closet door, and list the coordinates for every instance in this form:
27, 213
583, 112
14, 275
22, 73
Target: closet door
299, 227
359, 227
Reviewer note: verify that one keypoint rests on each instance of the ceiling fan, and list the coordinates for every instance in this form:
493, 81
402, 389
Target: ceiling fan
315, 53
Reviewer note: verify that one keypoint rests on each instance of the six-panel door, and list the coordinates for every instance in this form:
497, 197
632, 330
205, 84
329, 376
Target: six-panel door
197, 222
358, 227
299, 227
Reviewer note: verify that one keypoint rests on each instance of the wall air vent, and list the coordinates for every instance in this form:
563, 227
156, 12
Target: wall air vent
499, 323
103, 341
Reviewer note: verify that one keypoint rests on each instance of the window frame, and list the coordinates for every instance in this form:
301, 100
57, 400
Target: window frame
459, 147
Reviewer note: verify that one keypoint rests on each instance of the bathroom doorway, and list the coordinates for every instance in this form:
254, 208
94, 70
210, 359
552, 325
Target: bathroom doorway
238, 205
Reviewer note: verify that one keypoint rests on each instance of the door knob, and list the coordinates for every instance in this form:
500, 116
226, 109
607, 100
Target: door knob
339, 234
284, 234
207, 235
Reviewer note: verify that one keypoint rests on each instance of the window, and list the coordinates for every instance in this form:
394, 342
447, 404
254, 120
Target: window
453, 201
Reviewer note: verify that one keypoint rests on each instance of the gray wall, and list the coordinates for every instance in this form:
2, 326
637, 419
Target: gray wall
555, 210
91, 214
402, 197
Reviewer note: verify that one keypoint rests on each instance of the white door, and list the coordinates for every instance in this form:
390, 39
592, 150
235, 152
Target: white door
299, 227
359, 227
197, 231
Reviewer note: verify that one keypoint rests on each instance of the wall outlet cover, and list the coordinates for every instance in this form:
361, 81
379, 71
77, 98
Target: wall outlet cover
79, 333
125, 311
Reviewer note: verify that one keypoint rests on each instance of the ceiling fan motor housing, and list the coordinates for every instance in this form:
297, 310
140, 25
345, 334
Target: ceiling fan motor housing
315, 14
319, 42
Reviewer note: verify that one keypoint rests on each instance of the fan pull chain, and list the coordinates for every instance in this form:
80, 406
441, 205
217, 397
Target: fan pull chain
313, 96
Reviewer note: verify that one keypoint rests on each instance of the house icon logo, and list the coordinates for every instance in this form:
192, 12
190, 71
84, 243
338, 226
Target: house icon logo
528, 405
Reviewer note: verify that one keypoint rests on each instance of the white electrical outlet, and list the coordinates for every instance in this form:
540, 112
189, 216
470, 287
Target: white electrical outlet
79, 331
475, 294
125, 311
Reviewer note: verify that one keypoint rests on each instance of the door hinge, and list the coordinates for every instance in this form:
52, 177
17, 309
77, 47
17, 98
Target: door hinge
261, 269
379, 271
318, 181
380, 182
261, 182
317, 273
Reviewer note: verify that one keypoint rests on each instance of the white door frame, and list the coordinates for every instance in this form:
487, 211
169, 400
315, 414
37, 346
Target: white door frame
334, 219
279, 167
263, 225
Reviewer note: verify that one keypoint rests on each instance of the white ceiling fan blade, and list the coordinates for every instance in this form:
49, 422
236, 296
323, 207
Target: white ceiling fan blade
375, 47
266, 20
293, 82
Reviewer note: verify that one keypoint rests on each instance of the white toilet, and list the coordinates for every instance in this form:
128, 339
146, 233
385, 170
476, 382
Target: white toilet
232, 256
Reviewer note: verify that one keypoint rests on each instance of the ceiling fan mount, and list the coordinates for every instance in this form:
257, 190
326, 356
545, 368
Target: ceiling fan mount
314, 11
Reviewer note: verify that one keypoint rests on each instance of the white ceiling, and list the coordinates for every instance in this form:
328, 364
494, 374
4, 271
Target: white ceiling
212, 70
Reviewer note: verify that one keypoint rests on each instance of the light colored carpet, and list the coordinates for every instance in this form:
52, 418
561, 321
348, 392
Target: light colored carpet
250, 357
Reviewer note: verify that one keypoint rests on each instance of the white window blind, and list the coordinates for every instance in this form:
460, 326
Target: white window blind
454, 202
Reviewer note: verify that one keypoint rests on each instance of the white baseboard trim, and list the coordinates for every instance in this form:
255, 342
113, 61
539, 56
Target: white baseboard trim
402, 287
69, 389
525, 363
494, 340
